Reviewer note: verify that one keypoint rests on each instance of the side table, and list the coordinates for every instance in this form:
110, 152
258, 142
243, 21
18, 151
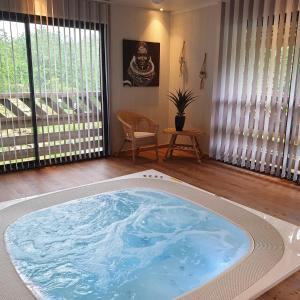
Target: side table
192, 134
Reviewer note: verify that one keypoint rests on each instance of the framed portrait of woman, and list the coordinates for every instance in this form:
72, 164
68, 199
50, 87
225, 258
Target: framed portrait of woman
140, 63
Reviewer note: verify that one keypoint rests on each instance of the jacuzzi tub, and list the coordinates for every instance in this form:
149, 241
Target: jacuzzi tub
274, 252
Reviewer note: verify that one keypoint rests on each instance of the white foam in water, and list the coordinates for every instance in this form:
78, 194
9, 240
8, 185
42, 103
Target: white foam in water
129, 244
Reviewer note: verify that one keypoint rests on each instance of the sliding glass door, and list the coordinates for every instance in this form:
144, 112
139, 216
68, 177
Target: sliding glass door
68, 98
52, 91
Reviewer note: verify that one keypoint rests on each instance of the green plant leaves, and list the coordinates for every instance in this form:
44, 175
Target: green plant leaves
182, 99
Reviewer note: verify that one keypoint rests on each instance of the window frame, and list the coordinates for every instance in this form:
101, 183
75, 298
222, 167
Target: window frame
56, 21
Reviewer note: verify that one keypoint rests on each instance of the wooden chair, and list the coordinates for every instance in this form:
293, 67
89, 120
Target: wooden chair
139, 131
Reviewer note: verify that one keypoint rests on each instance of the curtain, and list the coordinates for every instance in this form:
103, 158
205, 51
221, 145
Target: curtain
53, 90
255, 116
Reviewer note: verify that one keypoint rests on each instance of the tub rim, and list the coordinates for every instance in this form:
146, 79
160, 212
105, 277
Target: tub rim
268, 247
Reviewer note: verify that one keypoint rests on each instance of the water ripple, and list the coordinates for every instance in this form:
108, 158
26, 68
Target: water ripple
129, 244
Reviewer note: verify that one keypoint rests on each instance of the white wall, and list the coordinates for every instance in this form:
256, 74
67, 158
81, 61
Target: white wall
199, 28
138, 24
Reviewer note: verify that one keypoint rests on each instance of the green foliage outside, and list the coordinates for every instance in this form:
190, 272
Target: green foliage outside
13, 68
63, 60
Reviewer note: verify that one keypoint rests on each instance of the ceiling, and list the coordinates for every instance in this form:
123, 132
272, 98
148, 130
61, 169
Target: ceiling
167, 5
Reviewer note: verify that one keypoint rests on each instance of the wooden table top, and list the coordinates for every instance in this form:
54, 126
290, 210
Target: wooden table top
186, 132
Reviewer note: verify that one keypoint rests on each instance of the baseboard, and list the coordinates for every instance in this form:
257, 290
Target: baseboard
161, 146
129, 151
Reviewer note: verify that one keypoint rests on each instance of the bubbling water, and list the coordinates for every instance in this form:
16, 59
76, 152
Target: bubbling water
128, 244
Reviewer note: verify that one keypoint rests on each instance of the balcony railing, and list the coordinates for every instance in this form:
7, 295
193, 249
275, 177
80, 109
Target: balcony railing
67, 124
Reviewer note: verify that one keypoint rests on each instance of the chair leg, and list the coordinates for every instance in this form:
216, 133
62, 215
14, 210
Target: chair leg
123, 144
156, 150
133, 151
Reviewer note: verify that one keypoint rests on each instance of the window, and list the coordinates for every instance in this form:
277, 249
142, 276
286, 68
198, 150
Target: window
256, 120
52, 91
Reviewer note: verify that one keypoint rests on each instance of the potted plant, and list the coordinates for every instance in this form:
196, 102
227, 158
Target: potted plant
181, 99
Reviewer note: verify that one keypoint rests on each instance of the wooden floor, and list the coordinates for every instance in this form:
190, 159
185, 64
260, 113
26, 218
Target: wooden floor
268, 194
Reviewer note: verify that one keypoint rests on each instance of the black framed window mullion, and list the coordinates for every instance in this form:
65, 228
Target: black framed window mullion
105, 107
32, 92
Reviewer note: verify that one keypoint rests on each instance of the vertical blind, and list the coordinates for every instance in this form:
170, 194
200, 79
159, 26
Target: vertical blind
53, 89
255, 118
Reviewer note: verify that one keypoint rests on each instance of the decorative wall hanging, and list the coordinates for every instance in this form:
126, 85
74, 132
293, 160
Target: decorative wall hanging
182, 60
140, 63
203, 74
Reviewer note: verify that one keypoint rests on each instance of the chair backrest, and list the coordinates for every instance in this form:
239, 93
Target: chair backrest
128, 117
137, 121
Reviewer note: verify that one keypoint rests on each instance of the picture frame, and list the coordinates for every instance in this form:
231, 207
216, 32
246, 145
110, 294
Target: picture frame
141, 63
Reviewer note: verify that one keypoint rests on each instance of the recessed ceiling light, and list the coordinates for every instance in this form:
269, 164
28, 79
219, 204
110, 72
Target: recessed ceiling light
161, 9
